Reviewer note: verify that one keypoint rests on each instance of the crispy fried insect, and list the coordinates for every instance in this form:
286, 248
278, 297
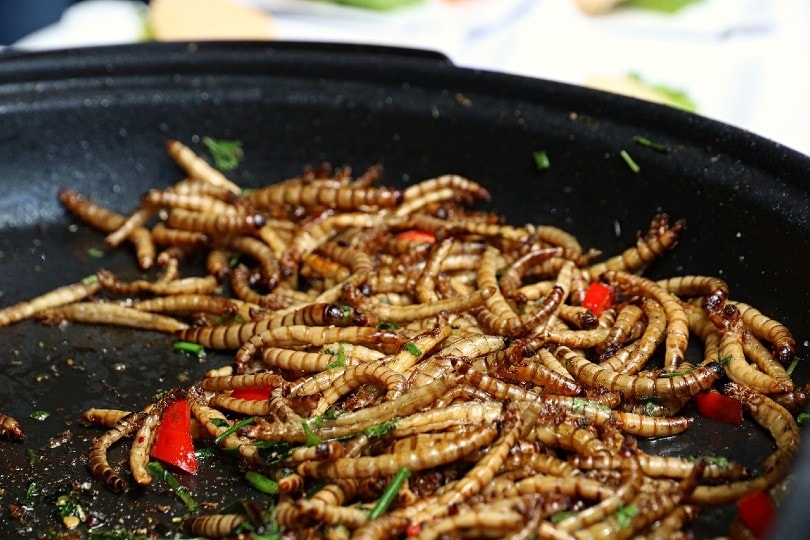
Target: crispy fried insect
214, 525
660, 238
296, 193
197, 167
53, 299
368, 373
770, 330
142, 442
111, 314
97, 462
214, 223
186, 304
10, 428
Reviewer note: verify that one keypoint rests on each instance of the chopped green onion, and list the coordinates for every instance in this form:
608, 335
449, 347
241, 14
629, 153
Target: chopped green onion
644, 141
792, 366
378, 430
561, 516
387, 326
226, 154
32, 457
336, 363
189, 347
717, 461
803, 418
238, 425
40, 415
413, 349
625, 515
259, 481
89, 280
580, 403
541, 160
390, 492
629, 160
157, 470
206, 452
312, 439
95, 253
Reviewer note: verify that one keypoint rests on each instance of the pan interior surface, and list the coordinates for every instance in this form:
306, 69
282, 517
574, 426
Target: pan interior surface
97, 121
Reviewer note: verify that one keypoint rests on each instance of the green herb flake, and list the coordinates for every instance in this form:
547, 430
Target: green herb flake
157, 470
233, 429
226, 154
336, 363
387, 326
261, 482
389, 494
541, 160
561, 516
792, 366
275, 451
580, 403
378, 430
803, 418
629, 161
40, 415
188, 347
716, 461
31, 495
95, 253
312, 439
89, 280
647, 143
662, 6
413, 349
625, 515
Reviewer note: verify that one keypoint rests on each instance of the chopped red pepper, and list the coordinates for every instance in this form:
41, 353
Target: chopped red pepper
598, 297
420, 236
259, 394
717, 406
757, 512
173, 444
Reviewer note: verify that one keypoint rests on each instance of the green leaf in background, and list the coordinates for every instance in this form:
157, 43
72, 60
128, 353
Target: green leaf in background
674, 97
380, 5
664, 6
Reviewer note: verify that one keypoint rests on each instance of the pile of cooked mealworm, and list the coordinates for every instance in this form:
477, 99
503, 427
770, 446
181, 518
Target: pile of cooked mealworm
403, 330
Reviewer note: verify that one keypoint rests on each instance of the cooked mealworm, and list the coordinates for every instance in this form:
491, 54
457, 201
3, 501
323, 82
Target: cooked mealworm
511, 277
652, 336
97, 462
457, 446
214, 525
53, 299
419, 347
660, 238
737, 367
165, 236
112, 314
541, 376
627, 317
485, 523
197, 167
386, 341
300, 322
214, 223
313, 195
770, 330
677, 336
331, 514
367, 373
142, 442
108, 221
684, 384
666, 466
134, 221
188, 304
461, 185
10, 428
395, 314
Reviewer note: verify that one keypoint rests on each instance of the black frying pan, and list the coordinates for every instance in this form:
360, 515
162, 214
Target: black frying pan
97, 120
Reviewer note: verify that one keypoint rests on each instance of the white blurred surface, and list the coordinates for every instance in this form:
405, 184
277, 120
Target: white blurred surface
742, 62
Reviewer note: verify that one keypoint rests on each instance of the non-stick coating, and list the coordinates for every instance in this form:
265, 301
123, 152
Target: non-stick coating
97, 121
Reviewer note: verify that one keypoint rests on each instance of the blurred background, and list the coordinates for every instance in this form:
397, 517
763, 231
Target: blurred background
738, 61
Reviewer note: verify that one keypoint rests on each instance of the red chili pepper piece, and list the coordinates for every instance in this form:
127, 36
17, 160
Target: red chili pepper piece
258, 394
757, 512
419, 236
716, 406
173, 444
598, 298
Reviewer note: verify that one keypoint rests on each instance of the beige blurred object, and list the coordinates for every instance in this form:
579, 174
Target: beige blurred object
627, 86
184, 20
596, 7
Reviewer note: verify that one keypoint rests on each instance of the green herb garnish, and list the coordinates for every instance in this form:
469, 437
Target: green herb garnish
238, 425
312, 439
644, 141
625, 515
40, 415
387, 326
390, 492
226, 154
413, 349
663, 6
792, 366
261, 482
188, 347
541, 160
630, 161
378, 430
580, 403
156, 469
95, 253
803, 418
